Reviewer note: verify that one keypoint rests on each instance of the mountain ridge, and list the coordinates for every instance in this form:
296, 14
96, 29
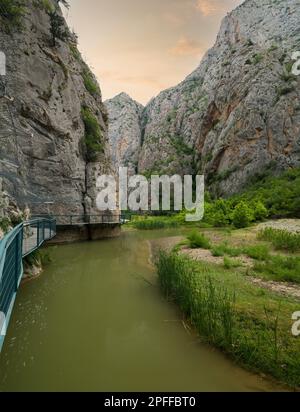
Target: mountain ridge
236, 113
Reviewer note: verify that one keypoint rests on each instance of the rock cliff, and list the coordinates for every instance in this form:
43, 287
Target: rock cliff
238, 113
53, 129
124, 130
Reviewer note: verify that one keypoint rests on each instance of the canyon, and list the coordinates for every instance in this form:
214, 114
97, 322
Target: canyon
236, 115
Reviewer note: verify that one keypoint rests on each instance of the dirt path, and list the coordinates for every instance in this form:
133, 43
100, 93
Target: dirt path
286, 289
291, 225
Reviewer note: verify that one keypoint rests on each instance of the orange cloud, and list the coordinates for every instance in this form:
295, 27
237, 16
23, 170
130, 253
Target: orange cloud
174, 19
186, 47
145, 80
211, 7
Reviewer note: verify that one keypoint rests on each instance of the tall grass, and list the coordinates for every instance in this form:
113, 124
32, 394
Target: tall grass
280, 268
197, 240
231, 263
257, 252
208, 304
225, 249
154, 223
231, 314
281, 239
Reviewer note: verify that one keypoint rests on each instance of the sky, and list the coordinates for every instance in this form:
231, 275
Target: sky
142, 47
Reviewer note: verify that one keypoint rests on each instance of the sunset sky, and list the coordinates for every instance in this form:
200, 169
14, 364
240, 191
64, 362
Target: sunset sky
142, 47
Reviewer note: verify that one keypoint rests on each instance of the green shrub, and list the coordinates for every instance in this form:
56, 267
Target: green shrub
218, 213
280, 195
198, 240
93, 134
38, 258
257, 252
11, 14
5, 224
224, 249
257, 58
281, 239
280, 268
90, 84
260, 211
154, 223
242, 215
231, 263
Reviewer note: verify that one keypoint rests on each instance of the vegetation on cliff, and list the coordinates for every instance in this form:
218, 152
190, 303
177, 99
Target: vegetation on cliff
11, 14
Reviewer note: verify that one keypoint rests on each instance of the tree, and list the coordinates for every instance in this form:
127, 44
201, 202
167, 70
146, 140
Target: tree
58, 27
260, 211
242, 215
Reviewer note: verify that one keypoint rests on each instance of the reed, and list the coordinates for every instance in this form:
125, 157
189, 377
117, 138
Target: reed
281, 239
233, 315
197, 240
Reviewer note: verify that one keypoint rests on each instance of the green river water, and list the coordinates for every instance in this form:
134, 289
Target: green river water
97, 321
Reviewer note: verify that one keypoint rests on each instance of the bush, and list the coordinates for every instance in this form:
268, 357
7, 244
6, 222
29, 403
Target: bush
280, 195
260, 211
230, 263
257, 252
154, 223
280, 268
38, 258
93, 134
198, 240
281, 239
11, 14
242, 215
90, 84
218, 213
5, 224
224, 249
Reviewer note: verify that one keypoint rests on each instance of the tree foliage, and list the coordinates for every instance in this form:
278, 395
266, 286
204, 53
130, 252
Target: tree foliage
58, 28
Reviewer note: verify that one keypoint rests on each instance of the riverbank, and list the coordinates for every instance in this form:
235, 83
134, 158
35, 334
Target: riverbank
225, 289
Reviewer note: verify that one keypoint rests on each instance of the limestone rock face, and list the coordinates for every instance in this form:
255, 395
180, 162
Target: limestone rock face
238, 113
10, 214
124, 130
43, 151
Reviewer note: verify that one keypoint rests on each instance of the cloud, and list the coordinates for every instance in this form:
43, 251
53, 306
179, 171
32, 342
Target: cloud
186, 47
143, 80
211, 7
173, 19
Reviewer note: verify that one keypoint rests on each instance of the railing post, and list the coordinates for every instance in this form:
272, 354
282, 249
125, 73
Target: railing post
38, 234
17, 260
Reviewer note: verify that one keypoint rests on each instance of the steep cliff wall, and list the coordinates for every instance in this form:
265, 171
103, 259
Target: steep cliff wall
53, 130
238, 113
124, 130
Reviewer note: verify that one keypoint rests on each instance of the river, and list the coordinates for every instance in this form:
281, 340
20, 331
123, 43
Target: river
97, 321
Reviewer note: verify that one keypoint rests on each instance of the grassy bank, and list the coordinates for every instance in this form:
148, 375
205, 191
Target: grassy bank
252, 325
153, 223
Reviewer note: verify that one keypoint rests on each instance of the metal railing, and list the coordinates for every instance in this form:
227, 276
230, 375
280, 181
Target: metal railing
18, 243
101, 219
